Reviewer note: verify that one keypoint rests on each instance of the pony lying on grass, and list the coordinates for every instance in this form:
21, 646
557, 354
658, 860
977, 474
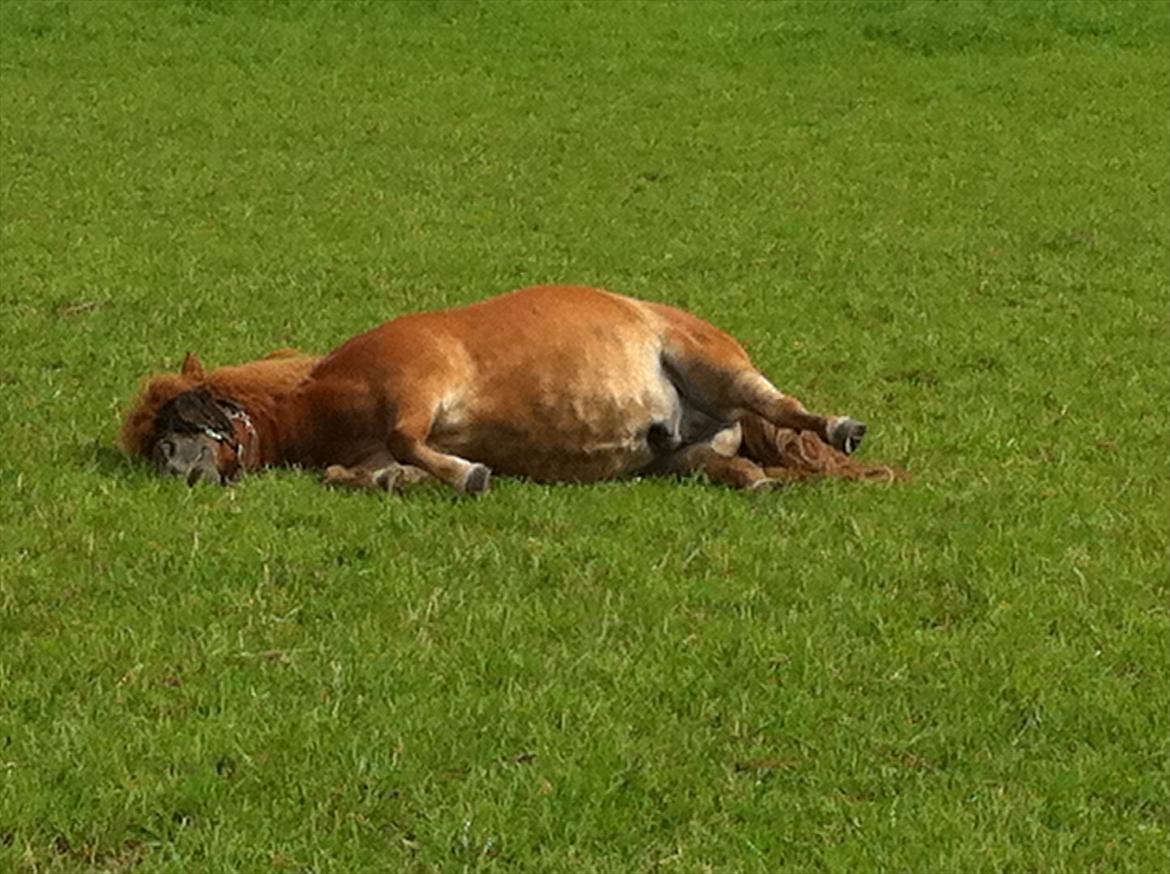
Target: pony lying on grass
552, 383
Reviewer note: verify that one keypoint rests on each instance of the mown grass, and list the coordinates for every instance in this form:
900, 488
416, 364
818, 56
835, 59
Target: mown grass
949, 219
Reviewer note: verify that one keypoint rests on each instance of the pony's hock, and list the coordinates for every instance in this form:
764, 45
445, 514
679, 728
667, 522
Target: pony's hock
551, 383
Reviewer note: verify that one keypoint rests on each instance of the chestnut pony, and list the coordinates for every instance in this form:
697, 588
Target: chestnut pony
552, 383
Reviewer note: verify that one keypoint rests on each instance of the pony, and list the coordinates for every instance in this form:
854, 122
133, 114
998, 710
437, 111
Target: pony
551, 383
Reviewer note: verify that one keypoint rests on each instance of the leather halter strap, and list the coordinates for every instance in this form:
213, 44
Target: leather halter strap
235, 414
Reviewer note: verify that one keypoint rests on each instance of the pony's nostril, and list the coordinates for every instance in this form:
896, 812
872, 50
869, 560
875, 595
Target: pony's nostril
193, 476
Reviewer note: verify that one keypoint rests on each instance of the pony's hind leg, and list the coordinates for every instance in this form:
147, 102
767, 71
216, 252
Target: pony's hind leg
717, 459
758, 395
735, 471
714, 374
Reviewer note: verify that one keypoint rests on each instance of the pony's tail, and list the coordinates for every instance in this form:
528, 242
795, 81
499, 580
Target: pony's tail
795, 455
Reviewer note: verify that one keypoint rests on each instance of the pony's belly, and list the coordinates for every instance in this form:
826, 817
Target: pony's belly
573, 438
554, 410
567, 464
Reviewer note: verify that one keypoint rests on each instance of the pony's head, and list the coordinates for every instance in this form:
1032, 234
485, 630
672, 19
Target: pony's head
189, 430
199, 436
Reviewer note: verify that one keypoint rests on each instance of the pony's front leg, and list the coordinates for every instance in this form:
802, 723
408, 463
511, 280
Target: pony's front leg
373, 469
391, 477
408, 442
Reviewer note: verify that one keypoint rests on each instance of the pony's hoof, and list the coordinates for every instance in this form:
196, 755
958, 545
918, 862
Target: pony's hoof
846, 434
477, 481
387, 479
337, 475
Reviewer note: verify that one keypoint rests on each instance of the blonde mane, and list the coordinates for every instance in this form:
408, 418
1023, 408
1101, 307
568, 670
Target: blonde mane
253, 385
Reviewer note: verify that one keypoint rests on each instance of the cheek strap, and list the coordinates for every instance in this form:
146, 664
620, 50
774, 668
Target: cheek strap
239, 447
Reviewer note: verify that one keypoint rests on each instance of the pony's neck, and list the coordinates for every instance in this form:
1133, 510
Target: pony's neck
278, 418
270, 419
270, 393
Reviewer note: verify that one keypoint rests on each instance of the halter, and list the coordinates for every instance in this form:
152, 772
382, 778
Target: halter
234, 414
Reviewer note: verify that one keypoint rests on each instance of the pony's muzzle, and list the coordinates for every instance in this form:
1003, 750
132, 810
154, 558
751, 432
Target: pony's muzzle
191, 458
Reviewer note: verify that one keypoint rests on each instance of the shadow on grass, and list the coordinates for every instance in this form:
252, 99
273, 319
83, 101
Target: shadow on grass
107, 460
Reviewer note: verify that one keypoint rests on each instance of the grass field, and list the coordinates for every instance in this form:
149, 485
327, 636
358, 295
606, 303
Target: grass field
950, 219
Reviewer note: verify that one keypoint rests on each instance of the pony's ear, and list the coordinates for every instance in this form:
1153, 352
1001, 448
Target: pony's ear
192, 366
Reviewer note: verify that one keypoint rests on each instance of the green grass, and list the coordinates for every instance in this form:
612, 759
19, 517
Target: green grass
952, 220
